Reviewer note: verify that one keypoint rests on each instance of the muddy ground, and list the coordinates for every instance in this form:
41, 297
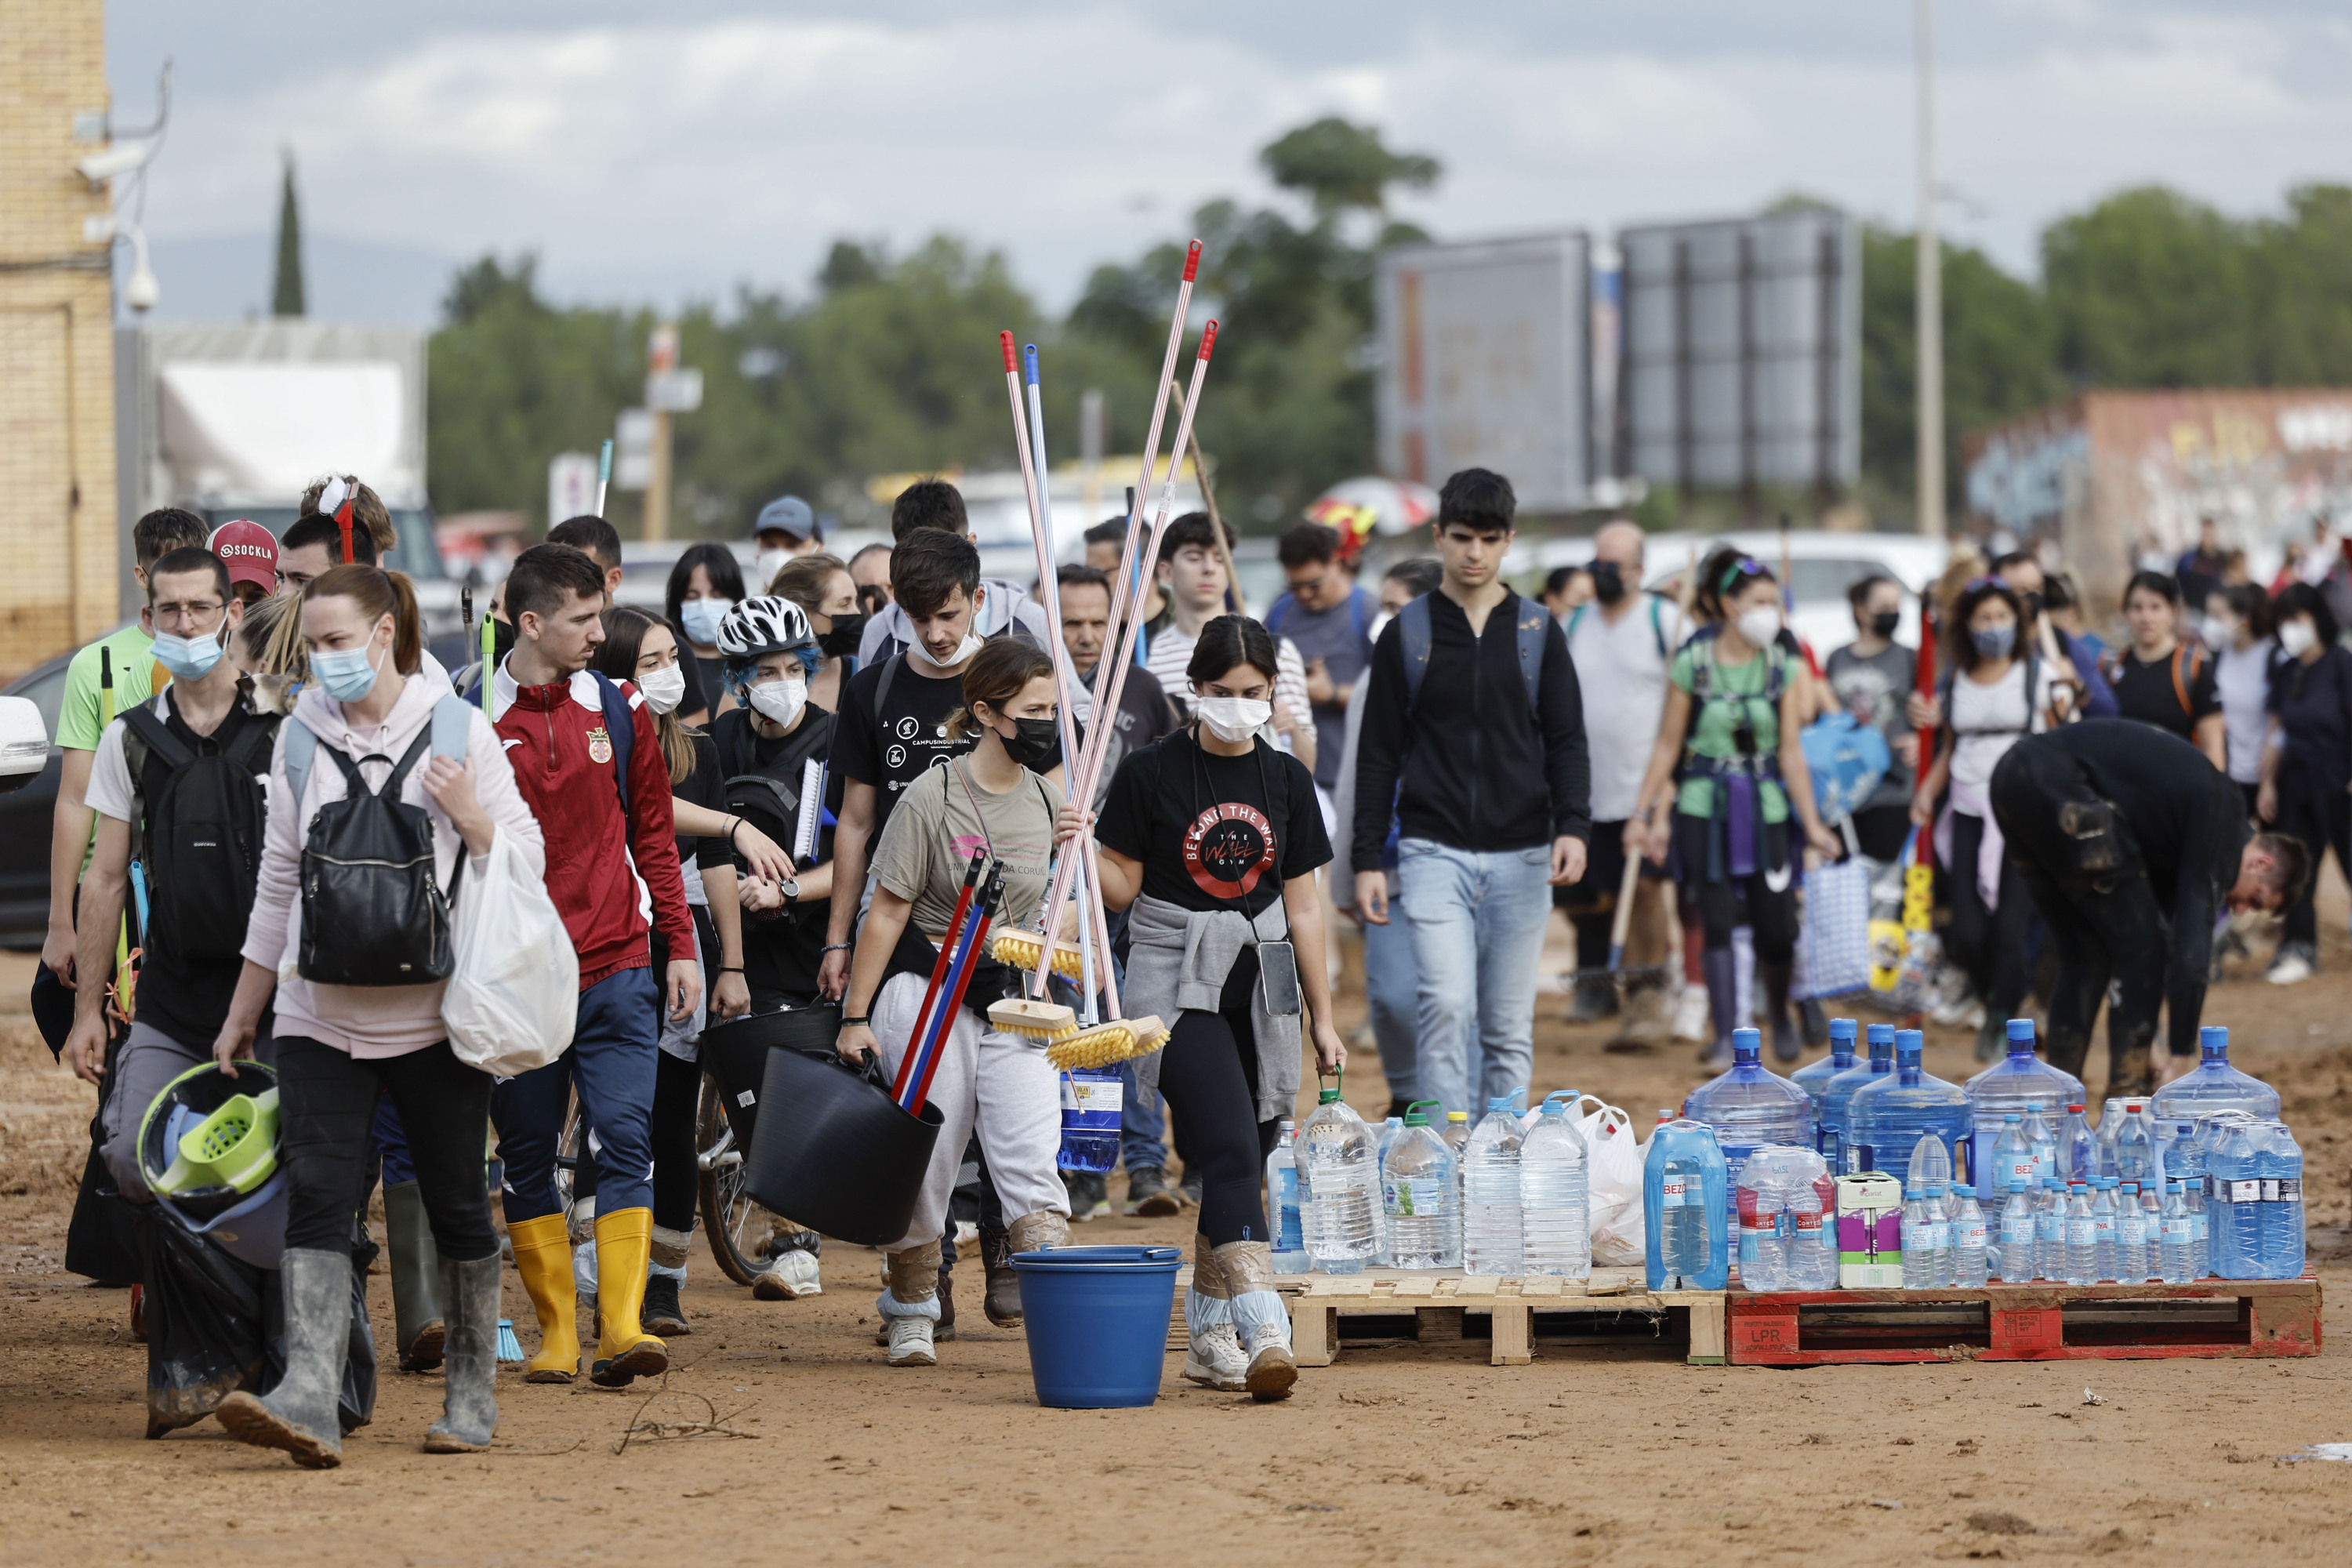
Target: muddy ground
1400, 1452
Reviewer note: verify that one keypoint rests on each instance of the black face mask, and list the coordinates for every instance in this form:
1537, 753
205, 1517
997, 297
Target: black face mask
1883, 623
1031, 741
1608, 582
842, 640
2033, 604
502, 641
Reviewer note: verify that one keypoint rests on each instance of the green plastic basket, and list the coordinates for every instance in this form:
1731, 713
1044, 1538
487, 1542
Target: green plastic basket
235, 1147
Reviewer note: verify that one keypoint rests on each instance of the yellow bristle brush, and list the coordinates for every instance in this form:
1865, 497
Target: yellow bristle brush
1018, 949
1047, 1021
1112, 1041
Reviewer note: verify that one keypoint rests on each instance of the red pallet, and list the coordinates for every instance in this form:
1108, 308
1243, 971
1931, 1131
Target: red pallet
2220, 1318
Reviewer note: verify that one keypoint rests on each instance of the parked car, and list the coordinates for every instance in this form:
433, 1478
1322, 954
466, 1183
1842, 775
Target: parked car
24, 817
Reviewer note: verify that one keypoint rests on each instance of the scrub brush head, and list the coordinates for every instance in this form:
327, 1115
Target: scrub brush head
1046, 1021
1108, 1043
1018, 949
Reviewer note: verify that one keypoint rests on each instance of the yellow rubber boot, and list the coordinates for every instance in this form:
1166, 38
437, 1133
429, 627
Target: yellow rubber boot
542, 1253
624, 1246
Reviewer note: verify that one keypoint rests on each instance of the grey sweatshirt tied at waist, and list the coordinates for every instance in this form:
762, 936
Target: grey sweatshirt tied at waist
1180, 959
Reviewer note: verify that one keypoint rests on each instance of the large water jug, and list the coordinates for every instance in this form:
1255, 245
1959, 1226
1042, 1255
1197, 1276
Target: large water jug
1837, 1095
1686, 1188
1282, 1202
2214, 1085
1491, 1234
1555, 1169
1887, 1116
1813, 1077
1342, 1178
1750, 1106
1422, 1195
2007, 1087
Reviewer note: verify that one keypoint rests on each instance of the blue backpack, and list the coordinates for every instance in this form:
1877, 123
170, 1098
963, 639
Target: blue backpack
1847, 758
1413, 623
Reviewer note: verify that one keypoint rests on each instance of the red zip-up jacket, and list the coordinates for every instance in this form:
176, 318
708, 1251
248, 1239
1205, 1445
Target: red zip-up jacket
563, 761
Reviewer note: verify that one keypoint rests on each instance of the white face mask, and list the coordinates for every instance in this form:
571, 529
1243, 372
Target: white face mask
2296, 637
972, 643
1230, 718
665, 688
779, 702
2220, 631
1380, 624
1760, 626
770, 563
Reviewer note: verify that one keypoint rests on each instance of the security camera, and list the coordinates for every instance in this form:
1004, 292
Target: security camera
141, 291
23, 744
120, 159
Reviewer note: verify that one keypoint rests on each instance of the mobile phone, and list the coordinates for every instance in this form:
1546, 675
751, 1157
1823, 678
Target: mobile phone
1278, 971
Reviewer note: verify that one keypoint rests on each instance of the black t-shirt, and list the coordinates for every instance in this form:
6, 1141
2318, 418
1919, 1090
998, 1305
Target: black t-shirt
706, 679
2314, 703
701, 787
2151, 692
188, 998
1144, 715
893, 750
1211, 832
781, 951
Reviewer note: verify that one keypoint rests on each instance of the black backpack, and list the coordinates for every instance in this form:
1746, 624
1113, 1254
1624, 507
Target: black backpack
770, 797
198, 835
368, 885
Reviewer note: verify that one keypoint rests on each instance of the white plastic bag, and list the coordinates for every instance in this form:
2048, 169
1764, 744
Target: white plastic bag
514, 992
1613, 1178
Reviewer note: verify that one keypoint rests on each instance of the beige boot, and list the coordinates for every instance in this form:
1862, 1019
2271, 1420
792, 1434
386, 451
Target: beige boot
1212, 1351
911, 1305
1263, 1322
1036, 1232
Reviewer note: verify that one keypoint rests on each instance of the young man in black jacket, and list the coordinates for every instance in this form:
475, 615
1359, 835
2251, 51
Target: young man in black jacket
1474, 729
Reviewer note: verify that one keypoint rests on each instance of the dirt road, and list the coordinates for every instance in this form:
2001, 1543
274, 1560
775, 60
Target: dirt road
1397, 1454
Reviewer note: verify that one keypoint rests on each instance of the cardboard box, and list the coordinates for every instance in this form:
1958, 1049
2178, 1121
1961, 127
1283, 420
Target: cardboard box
1870, 1232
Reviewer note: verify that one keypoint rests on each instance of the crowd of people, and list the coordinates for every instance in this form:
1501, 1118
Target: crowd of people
766, 797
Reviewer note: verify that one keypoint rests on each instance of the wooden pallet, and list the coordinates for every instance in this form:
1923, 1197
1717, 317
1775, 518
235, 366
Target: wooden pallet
2217, 1317
1439, 1299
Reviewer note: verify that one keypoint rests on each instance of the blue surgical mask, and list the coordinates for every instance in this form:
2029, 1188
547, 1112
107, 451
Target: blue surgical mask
1995, 642
346, 674
699, 618
188, 658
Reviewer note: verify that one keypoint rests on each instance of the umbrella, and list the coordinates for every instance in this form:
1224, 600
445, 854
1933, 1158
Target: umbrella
1369, 504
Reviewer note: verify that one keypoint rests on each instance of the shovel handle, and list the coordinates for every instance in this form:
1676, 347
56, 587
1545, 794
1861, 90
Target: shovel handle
1623, 919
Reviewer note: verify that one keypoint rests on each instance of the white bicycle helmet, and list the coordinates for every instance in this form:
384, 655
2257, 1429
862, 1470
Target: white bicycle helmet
769, 624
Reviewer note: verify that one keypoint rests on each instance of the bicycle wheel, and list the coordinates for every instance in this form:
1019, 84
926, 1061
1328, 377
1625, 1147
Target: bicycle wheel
738, 1228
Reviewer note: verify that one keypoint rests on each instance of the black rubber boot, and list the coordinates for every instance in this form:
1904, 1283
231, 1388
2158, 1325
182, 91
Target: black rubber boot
470, 1405
299, 1414
416, 1323
1721, 967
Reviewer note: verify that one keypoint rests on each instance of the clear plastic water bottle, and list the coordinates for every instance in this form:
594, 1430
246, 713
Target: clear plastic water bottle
1554, 1173
2078, 1146
1683, 1178
2135, 1144
2050, 1239
1815, 1078
1970, 1267
1887, 1116
2082, 1237
1390, 1129
1809, 1231
2018, 1259
1492, 1236
2174, 1230
1456, 1133
1838, 1094
2200, 1235
1940, 1227
1421, 1195
1918, 1241
1762, 1264
2131, 1236
2018, 1079
1750, 1106
2111, 1120
2280, 1161
2103, 1216
2010, 1159
2042, 1138
2236, 1198
1281, 1198
1342, 1178
2214, 1085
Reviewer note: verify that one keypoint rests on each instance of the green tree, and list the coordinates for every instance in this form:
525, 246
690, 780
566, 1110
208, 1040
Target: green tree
2151, 288
286, 288
2303, 294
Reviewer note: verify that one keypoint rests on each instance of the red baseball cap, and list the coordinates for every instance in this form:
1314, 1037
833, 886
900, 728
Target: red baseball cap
249, 552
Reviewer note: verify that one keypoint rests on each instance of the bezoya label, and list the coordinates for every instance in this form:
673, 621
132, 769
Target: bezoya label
1097, 1097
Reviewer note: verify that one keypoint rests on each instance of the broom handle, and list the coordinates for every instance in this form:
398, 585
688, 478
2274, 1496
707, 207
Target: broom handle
603, 474
1625, 916
1106, 700
924, 1042
939, 970
1127, 588
983, 914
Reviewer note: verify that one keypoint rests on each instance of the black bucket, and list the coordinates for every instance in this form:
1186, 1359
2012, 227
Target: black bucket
735, 1055
834, 1151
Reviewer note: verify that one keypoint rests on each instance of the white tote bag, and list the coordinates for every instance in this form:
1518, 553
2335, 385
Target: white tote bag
1613, 1187
514, 993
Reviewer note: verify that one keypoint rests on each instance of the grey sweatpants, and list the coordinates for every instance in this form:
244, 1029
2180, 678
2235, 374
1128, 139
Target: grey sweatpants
149, 1060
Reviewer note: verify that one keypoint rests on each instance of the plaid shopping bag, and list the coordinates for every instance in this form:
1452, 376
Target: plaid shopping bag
1837, 928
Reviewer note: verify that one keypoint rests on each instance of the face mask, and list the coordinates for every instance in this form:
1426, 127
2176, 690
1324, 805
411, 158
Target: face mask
1608, 582
700, 619
770, 563
1883, 623
2220, 631
842, 642
665, 688
346, 674
2032, 602
2296, 637
1994, 642
1380, 624
970, 644
778, 701
1031, 741
1233, 718
188, 658
1760, 626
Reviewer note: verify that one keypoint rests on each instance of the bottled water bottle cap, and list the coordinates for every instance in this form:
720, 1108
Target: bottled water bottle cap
1457, 1115
2013, 1119
1327, 1097
2172, 1186
2133, 1107
1908, 1044
1414, 1116
2213, 1039
2017, 1183
2020, 1030
1964, 1191
1747, 1045
1841, 1029
1882, 1035
2076, 1107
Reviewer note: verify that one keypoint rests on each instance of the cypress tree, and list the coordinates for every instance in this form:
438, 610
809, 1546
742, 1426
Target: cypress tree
285, 296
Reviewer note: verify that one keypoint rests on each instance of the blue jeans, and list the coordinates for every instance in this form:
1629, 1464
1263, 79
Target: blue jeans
1478, 925
612, 1061
1392, 986
1142, 1125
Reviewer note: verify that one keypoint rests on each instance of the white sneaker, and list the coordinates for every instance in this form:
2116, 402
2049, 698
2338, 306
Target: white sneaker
1214, 1359
911, 1342
789, 1276
1272, 1370
2292, 970
1691, 1021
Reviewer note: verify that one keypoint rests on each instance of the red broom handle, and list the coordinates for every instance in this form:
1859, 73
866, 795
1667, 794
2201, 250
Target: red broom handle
987, 913
939, 972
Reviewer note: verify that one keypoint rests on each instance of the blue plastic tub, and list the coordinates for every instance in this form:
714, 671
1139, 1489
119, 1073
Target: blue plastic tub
1096, 1319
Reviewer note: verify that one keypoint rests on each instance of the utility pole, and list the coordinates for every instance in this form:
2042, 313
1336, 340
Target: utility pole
661, 358
1929, 325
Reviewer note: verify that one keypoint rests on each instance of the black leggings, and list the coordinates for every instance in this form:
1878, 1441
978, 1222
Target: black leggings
1721, 905
327, 1106
677, 1180
1990, 944
2321, 817
1208, 1071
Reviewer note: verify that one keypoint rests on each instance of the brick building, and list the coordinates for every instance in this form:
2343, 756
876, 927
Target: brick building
59, 563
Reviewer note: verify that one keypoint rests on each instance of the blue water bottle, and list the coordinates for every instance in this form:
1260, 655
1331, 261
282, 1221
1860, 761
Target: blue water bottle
1090, 1108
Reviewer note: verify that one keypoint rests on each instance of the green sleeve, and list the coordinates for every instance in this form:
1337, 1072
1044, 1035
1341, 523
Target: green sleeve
1680, 673
78, 722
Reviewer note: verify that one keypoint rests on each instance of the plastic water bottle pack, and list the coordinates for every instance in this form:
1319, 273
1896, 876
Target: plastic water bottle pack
1786, 1203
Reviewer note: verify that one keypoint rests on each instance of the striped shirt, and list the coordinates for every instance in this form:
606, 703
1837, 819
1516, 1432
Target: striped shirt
1171, 649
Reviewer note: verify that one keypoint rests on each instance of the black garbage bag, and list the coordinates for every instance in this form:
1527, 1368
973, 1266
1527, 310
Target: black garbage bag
203, 1314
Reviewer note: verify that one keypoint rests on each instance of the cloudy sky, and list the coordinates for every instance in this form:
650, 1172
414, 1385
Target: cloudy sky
720, 144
